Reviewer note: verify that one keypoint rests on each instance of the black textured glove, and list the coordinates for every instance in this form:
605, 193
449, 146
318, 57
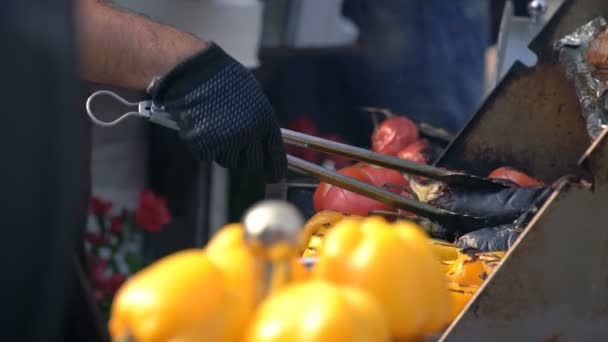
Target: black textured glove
222, 113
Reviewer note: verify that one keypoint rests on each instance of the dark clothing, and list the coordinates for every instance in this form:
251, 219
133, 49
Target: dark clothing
422, 58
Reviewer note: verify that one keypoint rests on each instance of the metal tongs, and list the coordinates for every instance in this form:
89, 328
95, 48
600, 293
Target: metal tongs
146, 110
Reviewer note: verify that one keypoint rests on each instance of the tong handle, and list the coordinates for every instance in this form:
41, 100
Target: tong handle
144, 110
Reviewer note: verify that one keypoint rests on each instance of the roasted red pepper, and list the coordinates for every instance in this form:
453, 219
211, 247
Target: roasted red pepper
329, 197
515, 176
393, 135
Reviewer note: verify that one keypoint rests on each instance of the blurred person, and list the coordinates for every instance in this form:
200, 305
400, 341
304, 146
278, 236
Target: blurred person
425, 59
222, 112
420, 58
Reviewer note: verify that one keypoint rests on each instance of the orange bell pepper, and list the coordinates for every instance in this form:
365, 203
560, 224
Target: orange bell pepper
318, 311
395, 264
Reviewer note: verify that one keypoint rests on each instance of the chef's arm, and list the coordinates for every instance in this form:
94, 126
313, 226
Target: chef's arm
124, 49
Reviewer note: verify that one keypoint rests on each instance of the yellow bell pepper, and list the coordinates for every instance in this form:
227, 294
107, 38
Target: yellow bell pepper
394, 263
318, 311
183, 297
243, 271
228, 250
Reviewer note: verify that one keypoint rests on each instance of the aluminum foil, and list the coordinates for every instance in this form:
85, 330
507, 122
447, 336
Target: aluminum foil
572, 50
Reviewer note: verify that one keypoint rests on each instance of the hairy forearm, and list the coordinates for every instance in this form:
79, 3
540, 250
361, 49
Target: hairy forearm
127, 50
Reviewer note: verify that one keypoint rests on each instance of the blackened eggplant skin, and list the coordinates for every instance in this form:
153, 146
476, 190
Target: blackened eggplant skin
492, 239
500, 207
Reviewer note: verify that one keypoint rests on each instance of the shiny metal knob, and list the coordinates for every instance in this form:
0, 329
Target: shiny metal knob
273, 232
536, 8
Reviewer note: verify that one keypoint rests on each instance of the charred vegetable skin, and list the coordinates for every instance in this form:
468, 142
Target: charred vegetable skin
504, 205
499, 207
499, 238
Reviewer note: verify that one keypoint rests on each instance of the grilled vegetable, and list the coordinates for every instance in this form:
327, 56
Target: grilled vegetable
467, 274
330, 197
473, 268
499, 207
515, 176
499, 238
416, 152
393, 135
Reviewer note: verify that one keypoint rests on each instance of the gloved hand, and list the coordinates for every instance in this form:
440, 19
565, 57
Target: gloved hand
222, 113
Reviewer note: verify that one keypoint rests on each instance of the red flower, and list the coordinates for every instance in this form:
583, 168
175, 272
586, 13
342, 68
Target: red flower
99, 296
99, 276
100, 207
116, 224
116, 282
152, 213
95, 238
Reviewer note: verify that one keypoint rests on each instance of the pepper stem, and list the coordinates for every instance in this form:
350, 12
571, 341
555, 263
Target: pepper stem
374, 111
